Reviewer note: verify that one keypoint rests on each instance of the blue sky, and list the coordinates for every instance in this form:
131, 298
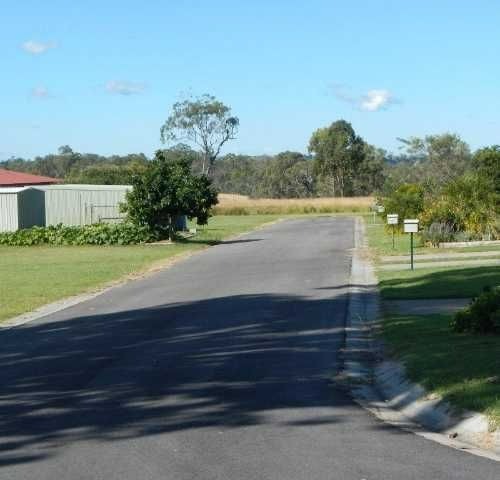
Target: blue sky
101, 76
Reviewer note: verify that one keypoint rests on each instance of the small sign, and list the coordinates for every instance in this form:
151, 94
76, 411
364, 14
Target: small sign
411, 225
392, 219
380, 209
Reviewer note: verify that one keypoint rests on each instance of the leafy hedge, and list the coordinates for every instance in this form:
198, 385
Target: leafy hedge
481, 316
98, 234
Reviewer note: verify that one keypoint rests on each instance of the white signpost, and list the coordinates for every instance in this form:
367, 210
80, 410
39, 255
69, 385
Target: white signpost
411, 227
392, 219
377, 209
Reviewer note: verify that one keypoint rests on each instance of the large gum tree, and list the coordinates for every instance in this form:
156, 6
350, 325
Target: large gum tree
203, 121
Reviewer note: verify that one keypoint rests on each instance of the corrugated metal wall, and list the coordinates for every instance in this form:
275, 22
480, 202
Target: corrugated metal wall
8, 212
82, 206
66, 204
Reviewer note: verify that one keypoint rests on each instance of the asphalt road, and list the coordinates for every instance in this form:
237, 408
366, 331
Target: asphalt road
217, 368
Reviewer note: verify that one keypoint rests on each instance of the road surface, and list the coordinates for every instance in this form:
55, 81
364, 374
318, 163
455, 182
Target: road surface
217, 368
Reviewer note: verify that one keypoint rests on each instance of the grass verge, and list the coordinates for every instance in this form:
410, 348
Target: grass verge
380, 241
437, 282
463, 369
34, 276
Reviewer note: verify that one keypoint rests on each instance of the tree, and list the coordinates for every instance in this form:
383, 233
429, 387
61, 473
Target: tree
205, 122
407, 201
438, 158
287, 175
486, 162
166, 190
65, 150
240, 174
369, 177
106, 174
338, 153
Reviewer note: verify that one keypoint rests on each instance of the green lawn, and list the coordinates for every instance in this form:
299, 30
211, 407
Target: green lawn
437, 283
33, 276
380, 240
464, 369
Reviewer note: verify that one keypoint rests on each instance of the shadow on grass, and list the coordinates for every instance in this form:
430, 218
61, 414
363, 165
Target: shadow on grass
439, 283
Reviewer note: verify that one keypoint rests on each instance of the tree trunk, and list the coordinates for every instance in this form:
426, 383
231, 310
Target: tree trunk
171, 228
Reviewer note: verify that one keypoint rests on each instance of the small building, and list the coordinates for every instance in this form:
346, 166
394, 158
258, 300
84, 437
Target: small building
44, 205
10, 178
21, 207
83, 204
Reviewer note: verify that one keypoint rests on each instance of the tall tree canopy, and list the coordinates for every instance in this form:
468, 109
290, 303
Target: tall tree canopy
204, 121
486, 161
438, 158
338, 153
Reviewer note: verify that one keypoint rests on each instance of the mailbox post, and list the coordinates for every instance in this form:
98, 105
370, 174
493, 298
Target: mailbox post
392, 219
411, 227
377, 209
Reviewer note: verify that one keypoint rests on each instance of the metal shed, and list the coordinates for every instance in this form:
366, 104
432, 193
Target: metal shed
83, 204
21, 207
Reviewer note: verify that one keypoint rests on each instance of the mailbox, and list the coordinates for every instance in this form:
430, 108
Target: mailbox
392, 219
411, 225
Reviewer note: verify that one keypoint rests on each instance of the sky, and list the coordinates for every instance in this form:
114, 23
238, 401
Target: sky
101, 76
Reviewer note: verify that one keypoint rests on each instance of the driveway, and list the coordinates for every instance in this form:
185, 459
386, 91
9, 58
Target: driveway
219, 367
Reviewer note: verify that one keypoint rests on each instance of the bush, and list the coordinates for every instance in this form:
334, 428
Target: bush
407, 201
167, 189
98, 234
481, 316
438, 232
467, 204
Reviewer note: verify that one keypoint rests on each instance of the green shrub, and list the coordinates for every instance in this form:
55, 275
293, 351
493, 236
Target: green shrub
407, 201
481, 316
438, 232
98, 234
466, 204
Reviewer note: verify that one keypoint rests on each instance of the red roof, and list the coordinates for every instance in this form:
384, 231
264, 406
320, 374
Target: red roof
9, 178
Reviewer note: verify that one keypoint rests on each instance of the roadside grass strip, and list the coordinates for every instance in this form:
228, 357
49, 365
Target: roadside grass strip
438, 257
442, 264
380, 240
34, 276
437, 282
463, 369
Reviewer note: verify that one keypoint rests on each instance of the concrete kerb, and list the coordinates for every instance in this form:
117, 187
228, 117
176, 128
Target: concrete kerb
380, 385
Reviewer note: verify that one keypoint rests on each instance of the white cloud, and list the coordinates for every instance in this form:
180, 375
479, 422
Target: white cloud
124, 88
36, 48
375, 100
40, 92
372, 101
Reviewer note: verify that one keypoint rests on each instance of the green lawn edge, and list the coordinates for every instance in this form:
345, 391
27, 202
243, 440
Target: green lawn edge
463, 369
31, 277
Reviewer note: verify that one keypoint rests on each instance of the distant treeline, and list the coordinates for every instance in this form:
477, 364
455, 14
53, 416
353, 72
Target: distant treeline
285, 175
335, 167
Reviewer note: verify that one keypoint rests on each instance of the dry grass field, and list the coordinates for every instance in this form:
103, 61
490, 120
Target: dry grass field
232, 204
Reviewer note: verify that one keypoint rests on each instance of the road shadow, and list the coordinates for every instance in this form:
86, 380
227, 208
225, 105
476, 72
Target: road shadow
224, 362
